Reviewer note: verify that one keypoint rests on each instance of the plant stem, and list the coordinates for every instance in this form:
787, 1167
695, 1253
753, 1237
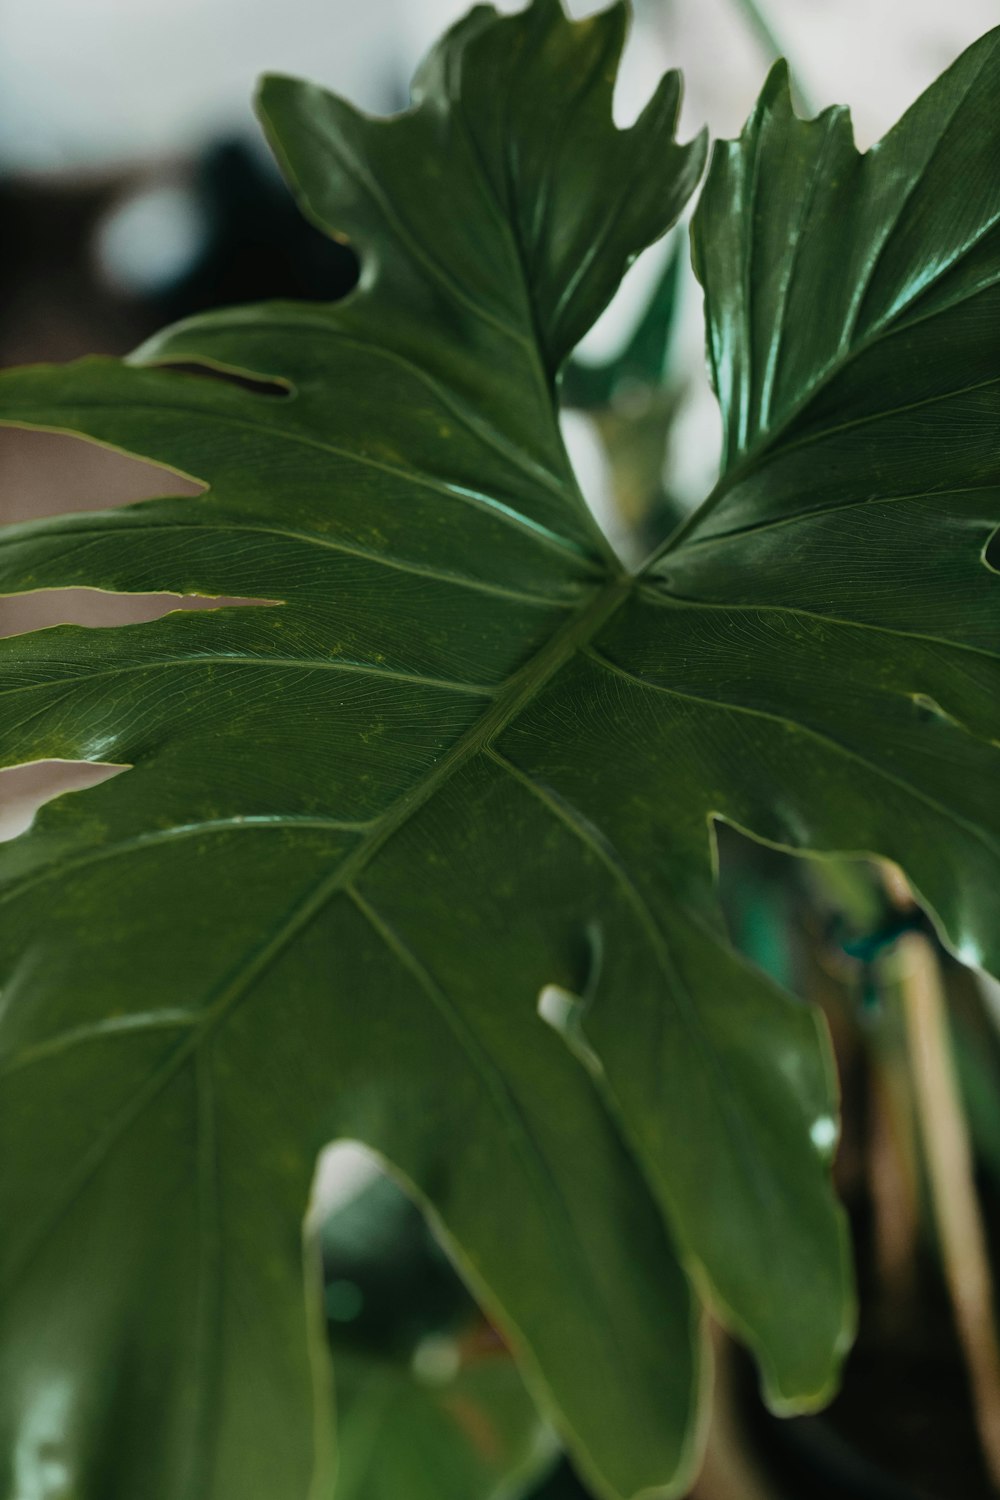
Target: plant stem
731, 1466
893, 1179
950, 1170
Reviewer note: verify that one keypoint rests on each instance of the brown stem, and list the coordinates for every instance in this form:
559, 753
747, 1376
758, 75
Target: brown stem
949, 1158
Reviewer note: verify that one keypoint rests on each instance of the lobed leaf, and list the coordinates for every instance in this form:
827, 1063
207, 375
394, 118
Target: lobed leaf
463, 760
847, 542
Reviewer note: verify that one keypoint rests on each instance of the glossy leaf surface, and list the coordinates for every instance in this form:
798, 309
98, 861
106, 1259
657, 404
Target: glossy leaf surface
854, 313
462, 759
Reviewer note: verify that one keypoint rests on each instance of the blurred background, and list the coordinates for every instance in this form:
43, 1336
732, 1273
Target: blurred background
135, 190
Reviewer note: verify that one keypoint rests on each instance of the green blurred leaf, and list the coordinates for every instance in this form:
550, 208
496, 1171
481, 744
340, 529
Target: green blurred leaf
461, 760
643, 360
470, 1435
388, 1283
632, 400
430, 1404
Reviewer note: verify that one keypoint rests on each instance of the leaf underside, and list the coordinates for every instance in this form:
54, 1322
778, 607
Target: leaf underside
463, 758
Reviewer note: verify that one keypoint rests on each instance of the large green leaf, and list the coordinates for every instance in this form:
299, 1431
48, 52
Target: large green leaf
466, 758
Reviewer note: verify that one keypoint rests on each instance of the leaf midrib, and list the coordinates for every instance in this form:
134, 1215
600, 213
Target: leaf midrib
768, 442
489, 504
799, 726
27, 533
667, 597
533, 342
679, 989
344, 665
534, 1161
522, 688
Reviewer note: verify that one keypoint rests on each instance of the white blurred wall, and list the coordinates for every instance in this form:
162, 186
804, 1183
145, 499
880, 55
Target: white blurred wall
87, 83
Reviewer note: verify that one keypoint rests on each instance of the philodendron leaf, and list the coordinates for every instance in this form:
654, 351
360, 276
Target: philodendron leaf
854, 337
317, 906
464, 759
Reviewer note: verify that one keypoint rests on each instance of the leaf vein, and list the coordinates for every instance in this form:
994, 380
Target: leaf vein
727, 706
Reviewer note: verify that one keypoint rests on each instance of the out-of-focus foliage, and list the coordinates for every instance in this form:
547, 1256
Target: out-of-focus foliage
429, 1401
